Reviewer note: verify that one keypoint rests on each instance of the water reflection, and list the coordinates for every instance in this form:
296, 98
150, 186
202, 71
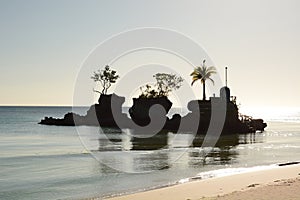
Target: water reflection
130, 152
223, 141
251, 138
153, 143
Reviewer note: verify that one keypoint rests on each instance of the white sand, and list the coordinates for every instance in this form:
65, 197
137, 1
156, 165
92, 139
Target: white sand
279, 190
220, 186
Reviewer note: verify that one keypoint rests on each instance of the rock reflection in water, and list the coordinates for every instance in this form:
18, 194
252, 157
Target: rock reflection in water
222, 153
132, 152
136, 152
156, 142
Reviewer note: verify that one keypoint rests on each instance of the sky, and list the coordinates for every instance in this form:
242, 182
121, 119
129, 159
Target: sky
44, 43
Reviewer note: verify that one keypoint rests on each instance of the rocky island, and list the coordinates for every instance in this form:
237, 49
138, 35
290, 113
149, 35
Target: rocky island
108, 111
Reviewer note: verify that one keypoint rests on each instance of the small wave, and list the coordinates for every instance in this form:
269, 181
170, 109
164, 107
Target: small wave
226, 172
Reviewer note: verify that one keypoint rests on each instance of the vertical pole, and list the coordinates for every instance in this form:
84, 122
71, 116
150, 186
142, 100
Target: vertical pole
226, 76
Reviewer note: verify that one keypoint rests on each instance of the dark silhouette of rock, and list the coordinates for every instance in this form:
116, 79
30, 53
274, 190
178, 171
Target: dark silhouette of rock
173, 123
258, 124
140, 110
102, 114
224, 112
203, 114
105, 113
68, 120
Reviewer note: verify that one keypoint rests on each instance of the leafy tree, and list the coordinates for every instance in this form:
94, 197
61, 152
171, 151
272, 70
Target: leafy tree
203, 73
106, 77
148, 91
165, 84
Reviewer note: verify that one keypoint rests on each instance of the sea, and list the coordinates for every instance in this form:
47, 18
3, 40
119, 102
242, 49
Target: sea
55, 162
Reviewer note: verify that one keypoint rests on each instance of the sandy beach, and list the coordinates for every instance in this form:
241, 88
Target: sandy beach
277, 183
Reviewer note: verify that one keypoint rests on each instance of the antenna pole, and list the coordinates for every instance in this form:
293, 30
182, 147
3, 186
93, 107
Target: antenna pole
226, 76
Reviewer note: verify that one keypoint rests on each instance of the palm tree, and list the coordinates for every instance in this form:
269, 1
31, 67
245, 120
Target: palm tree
203, 73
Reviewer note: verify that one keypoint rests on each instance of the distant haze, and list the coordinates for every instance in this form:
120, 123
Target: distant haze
43, 44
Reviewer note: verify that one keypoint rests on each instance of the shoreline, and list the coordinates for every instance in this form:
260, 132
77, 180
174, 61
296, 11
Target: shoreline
222, 186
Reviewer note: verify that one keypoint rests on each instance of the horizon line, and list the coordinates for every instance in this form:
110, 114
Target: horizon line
59, 105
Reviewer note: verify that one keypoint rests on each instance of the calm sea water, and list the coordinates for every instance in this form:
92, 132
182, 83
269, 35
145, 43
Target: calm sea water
50, 162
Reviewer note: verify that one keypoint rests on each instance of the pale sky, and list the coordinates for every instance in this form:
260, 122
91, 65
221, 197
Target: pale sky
43, 44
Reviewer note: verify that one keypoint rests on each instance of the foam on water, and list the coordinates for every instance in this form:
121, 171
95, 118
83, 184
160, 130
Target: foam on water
232, 171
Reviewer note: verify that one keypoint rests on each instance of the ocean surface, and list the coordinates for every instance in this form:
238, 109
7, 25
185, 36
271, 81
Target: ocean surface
51, 162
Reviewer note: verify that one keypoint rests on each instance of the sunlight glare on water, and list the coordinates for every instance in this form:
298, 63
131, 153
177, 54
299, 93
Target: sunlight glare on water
284, 114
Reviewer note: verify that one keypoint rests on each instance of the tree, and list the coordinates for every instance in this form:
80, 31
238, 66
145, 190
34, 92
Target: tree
106, 77
148, 91
165, 84
203, 73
